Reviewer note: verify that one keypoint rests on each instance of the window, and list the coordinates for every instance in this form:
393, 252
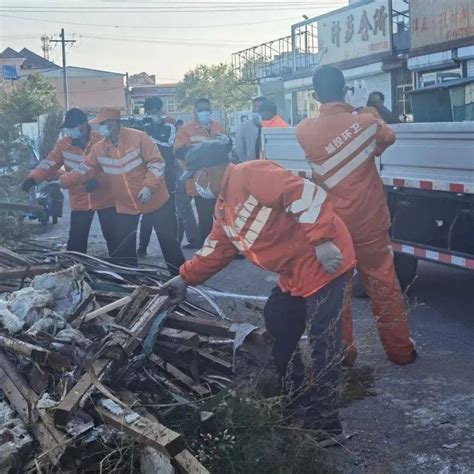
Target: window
431, 78
403, 79
304, 105
171, 106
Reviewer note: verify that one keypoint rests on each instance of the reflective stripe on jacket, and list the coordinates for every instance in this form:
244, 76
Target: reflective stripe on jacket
340, 146
275, 219
70, 156
134, 164
191, 134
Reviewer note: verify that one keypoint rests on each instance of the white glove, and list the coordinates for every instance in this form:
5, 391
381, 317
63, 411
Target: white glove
329, 256
144, 195
360, 96
176, 289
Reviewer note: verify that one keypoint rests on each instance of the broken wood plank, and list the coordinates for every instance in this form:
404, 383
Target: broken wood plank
27, 271
186, 463
71, 401
35, 353
180, 376
107, 308
178, 336
17, 390
125, 344
206, 327
214, 362
25, 400
139, 297
143, 430
119, 348
10, 256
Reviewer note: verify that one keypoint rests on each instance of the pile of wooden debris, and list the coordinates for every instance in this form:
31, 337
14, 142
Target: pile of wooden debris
86, 345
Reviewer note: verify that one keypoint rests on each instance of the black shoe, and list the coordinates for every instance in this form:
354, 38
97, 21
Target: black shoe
239, 257
141, 252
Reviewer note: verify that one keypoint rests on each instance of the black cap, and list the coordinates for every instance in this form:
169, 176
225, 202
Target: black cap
207, 154
153, 103
73, 118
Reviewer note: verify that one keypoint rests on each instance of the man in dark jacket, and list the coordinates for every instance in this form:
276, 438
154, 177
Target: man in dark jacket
376, 100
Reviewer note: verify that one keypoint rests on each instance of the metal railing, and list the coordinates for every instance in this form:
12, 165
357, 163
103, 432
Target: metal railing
297, 52
271, 59
305, 44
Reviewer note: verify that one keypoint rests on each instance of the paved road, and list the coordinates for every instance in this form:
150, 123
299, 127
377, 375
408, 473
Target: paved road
420, 417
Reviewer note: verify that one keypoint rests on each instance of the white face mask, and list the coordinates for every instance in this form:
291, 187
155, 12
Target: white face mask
205, 193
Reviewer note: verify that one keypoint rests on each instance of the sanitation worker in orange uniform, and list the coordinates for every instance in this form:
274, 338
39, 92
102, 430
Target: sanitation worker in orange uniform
269, 115
69, 153
341, 145
135, 168
284, 224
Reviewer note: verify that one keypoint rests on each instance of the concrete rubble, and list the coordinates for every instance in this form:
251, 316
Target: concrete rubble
81, 353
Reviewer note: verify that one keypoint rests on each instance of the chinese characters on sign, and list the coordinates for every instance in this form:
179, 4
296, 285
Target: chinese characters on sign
355, 32
439, 21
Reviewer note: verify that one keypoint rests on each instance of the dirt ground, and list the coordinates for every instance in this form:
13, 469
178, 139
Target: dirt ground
412, 419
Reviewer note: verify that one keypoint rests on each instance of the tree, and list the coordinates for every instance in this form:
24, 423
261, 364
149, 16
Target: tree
218, 83
29, 99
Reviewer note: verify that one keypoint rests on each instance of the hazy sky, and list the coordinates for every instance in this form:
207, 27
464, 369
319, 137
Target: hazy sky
113, 35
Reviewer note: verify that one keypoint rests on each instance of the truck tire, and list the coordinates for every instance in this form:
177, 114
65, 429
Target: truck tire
405, 266
55, 219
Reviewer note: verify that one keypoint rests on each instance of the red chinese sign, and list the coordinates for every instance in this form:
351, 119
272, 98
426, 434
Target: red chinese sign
440, 21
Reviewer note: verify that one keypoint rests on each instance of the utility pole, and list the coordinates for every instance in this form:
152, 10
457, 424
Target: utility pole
63, 42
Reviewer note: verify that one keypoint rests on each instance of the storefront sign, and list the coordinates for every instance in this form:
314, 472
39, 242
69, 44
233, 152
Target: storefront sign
356, 32
440, 21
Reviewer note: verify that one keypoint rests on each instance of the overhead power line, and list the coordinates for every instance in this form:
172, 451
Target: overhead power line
154, 27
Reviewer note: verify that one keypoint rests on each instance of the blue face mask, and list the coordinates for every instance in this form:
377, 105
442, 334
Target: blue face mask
73, 133
204, 117
104, 130
256, 118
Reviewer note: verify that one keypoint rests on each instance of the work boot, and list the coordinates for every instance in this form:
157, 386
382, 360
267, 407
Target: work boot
141, 252
403, 357
402, 360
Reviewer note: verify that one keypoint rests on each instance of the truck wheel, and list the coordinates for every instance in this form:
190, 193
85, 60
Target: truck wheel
55, 219
405, 266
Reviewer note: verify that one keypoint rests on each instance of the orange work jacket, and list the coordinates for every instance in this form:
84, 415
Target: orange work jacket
191, 134
340, 146
275, 219
70, 156
132, 165
275, 122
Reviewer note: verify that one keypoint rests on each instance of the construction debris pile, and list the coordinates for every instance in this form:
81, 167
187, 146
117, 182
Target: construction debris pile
85, 345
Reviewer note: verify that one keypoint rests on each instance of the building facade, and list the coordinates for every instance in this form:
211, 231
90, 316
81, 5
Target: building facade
395, 46
166, 92
89, 89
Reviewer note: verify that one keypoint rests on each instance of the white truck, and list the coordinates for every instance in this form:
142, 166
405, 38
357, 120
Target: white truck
428, 175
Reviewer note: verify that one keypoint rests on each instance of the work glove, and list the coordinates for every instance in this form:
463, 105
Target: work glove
329, 256
28, 184
360, 96
144, 195
175, 288
91, 185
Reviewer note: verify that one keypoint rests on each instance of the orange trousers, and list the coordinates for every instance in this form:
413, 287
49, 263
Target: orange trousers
377, 271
